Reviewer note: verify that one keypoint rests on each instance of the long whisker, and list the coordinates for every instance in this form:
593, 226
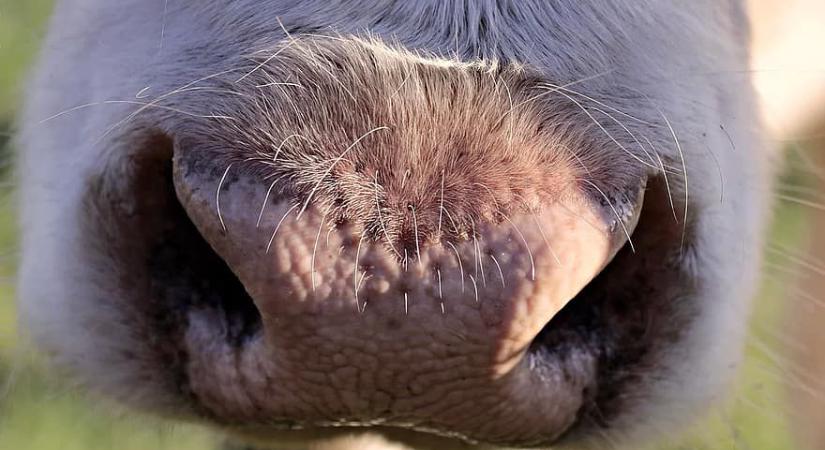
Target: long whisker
415, 228
549, 91
667, 182
440, 292
629, 133
800, 201
265, 62
450, 218
806, 263
475, 286
684, 168
546, 241
263, 205
616, 213
441, 209
315, 251
332, 165
460, 265
178, 90
607, 133
269, 245
527, 247
381, 219
492, 195
281, 146
500, 272
279, 83
355, 269
565, 88
218, 197
364, 276
477, 249
721, 174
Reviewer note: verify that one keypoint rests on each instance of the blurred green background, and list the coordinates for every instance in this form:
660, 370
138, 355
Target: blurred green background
38, 413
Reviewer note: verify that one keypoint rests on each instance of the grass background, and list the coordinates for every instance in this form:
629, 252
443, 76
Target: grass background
38, 413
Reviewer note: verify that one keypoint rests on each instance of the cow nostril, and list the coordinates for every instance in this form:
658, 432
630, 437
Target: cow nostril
181, 273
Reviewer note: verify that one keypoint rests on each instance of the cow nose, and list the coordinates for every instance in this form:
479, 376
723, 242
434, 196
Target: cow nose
408, 311
405, 229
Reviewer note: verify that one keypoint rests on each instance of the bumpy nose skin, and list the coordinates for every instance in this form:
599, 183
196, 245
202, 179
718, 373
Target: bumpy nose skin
437, 340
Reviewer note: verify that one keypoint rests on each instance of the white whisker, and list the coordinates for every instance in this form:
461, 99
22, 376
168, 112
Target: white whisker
546, 241
500, 272
616, 213
355, 269
415, 228
336, 161
441, 209
475, 286
527, 247
381, 219
269, 245
477, 248
263, 205
264, 62
460, 265
218, 197
315, 251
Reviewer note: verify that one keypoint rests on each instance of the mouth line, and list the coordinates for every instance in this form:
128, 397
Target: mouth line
616, 320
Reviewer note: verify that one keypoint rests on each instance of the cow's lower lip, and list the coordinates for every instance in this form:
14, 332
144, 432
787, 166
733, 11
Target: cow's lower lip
615, 326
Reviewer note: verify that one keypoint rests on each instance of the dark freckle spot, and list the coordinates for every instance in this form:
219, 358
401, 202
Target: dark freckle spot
392, 324
341, 222
338, 201
349, 242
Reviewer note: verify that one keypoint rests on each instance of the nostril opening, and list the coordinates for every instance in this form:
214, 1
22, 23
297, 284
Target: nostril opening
182, 272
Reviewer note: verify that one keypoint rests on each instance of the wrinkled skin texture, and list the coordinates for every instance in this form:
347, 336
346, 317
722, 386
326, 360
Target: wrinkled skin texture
442, 224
